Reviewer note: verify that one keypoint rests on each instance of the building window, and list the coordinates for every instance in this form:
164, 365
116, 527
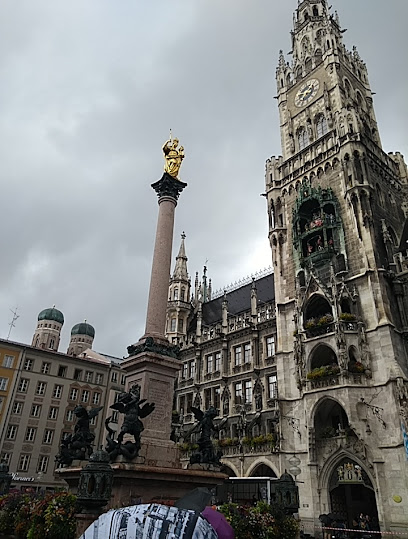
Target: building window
96, 398
23, 463
321, 126
217, 362
248, 391
85, 395
30, 434
114, 377
272, 386
35, 410
93, 420
45, 367
88, 376
23, 385
17, 407
62, 371
175, 294
3, 384
270, 346
42, 463
8, 361
73, 394
57, 392
123, 379
207, 398
238, 392
28, 365
99, 378
51, 346
41, 388
217, 397
209, 364
237, 355
53, 413
114, 416
303, 138
6, 458
70, 415
77, 374
181, 324
185, 371
247, 353
189, 402
183, 294
192, 369
173, 324
48, 436
11, 432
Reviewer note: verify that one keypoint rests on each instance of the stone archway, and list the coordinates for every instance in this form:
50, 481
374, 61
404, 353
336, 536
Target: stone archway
261, 468
351, 493
347, 489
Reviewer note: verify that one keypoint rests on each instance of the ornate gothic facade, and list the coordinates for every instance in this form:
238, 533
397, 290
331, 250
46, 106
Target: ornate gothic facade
323, 372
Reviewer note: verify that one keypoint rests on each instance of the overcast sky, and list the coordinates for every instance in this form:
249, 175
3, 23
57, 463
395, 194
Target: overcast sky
88, 92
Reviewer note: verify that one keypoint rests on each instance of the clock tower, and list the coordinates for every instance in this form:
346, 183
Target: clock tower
337, 208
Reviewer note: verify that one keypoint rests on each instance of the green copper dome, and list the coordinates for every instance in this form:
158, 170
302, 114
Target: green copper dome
51, 314
83, 329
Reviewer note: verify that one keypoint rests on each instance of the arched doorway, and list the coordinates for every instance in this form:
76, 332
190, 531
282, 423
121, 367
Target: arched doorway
262, 470
352, 493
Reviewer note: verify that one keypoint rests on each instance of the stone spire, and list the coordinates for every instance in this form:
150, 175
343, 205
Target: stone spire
179, 306
180, 271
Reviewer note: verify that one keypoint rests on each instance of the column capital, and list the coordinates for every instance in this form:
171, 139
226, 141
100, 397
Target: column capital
168, 186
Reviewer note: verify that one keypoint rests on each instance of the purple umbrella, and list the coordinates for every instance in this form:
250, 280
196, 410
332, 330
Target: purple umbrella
219, 523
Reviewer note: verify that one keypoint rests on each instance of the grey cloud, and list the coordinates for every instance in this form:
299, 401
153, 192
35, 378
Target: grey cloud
88, 92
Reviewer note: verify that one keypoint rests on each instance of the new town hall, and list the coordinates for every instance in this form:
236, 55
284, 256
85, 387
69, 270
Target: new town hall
311, 360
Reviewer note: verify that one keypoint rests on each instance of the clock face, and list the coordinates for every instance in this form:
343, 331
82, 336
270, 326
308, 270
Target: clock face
306, 92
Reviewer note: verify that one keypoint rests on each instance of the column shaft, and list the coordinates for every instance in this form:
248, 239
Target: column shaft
159, 282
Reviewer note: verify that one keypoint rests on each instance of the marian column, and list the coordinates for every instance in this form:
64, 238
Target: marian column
153, 362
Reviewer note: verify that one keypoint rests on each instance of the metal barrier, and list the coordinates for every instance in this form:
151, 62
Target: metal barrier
347, 533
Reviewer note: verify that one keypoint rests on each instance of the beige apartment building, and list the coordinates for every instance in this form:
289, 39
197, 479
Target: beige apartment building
40, 389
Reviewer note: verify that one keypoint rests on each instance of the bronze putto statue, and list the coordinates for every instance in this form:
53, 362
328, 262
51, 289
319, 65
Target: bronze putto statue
134, 409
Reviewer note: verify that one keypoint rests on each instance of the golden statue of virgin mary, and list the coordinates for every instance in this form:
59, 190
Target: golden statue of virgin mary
173, 156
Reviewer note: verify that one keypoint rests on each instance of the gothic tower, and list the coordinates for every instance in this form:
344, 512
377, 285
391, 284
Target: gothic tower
336, 207
179, 306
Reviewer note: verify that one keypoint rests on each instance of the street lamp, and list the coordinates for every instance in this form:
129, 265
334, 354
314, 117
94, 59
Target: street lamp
294, 466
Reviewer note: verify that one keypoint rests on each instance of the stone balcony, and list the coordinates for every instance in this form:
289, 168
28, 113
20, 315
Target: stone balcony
332, 380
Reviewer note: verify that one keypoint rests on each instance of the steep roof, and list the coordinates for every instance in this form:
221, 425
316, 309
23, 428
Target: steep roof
239, 300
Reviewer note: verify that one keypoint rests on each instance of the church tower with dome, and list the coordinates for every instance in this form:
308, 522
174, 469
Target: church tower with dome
82, 337
337, 208
48, 331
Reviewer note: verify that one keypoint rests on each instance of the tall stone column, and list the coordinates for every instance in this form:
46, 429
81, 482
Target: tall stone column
168, 190
153, 362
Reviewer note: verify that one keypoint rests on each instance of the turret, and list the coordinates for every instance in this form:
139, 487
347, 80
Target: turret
178, 306
48, 332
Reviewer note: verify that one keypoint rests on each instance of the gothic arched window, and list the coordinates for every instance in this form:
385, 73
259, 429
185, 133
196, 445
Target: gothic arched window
308, 65
318, 56
321, 125
315, 11
303, 138
176, 294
